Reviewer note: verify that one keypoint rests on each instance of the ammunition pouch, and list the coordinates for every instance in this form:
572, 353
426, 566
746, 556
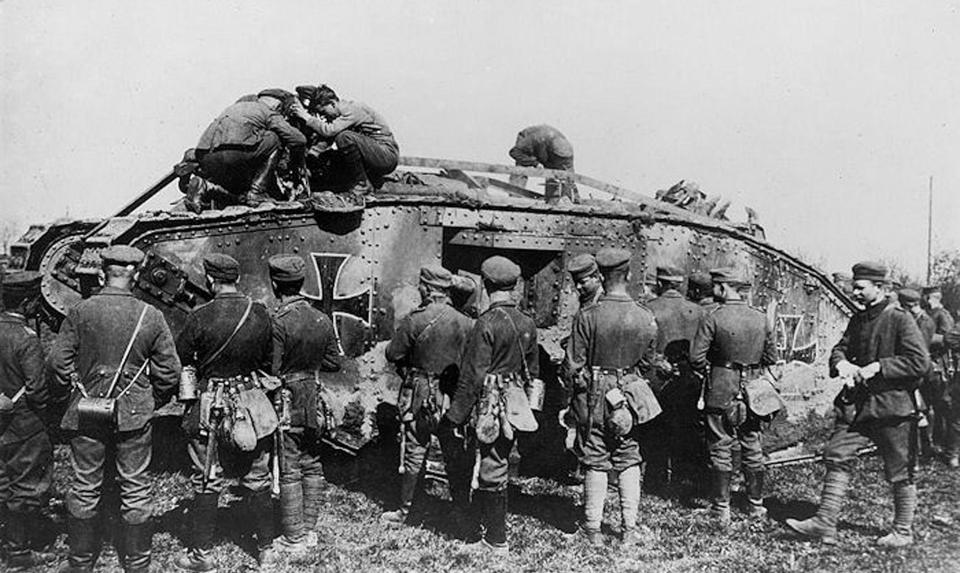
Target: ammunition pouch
503, 407
421, 403
245, 414
624, 391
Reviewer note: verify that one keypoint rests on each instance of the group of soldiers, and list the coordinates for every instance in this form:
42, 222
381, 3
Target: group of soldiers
655, 369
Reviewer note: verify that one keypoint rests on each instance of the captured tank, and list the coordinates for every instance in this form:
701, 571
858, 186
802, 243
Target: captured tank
363, 271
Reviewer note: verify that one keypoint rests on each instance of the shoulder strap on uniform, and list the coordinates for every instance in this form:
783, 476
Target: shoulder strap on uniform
226, 342
433, 321
516, 332
126, 353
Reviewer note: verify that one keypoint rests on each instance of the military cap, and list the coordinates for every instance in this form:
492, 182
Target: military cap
20, 283
278, 93
221, 267
700, 280
500, 271
435, 275
870, 271
908, 296
286, 268
121, 255
729, 275
931, 289
610, 259
581, 266
669, 273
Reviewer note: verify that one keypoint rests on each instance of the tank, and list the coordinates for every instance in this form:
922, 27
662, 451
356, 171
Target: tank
363, 271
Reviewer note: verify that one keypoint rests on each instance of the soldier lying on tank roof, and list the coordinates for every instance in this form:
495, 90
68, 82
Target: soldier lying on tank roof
240, 151
544, 145
364, 149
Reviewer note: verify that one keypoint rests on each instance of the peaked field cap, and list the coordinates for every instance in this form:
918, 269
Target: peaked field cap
669, 273
700, 280
612, 258
908, 295
931, 289
728, 275
19, 283
500, 271
121, 255
869, 271
436, 275
581, 266
221, 267
278, 93
286, 268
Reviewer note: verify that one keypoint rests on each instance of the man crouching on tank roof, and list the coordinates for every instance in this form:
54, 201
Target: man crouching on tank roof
304, 347
228, 341
611, 344
427, 346
733, 347
500, 358
240, 150
883, 358
364, 149
102, 353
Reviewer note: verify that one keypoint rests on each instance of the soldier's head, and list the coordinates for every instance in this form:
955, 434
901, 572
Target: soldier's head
669, 278
699, 286
585, 274
435, 283
932, 297
500, 275
614, 266
910, 300
869, 280
119, 265
325, 100
286, 274
222, 272
21, 291
278, 99
729, 283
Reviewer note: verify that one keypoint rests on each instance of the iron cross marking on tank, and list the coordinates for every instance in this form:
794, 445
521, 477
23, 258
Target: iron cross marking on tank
356, 306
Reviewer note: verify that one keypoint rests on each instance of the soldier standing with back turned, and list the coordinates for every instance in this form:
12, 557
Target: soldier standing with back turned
736, 343
227, 340
942, 371
426, 347
499, 349
304, 346
883, 356
106, 343
26, 453
611, 342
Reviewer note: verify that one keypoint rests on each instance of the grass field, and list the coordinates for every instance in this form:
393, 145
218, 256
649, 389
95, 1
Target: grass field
542, 511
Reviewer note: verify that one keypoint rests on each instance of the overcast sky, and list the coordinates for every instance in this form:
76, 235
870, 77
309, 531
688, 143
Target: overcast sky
827, 117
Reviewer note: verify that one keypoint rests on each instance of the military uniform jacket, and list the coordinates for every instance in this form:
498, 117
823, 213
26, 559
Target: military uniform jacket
304, 344
733, 335
677, 322
943, 323
927, 327
541, 144
887, 334
355, 116
616, 333
242, 126
21, 366
492, 348
90, 346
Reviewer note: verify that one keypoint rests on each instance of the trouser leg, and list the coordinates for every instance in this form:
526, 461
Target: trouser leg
291, 488
492, 492
629, 488
594, 494
87, 455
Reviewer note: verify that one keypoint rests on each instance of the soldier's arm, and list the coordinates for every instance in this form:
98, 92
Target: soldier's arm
402, 342
533, 353
279, 343
944, 324
289, 135
839, 353
30, 358
63, 355
769, 348
329, 129
576, 351
473, 369
912, 359
702, 342
331, 361
186, 349
164, 362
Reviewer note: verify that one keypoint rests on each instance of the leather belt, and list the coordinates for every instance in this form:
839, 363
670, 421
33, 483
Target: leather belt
736, 366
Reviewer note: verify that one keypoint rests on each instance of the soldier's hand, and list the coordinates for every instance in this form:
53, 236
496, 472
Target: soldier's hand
297, 108
867, 372
846, 369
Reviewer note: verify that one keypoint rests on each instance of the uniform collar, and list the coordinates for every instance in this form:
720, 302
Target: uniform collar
230, 295
733, 302
616, 297
114, 291
671, 293
502, 303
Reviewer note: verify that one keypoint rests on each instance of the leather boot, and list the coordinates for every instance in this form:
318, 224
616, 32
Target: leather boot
22, 532
408, 488
755, 507
137, 542
493, 517
260, 184
293, 540
823, 525
721, 497
355, 170
312, 492
204, 515
84, 540
261, 508
905, 507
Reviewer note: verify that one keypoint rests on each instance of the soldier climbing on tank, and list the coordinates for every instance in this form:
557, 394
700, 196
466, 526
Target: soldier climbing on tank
364, 148
304, 349
544, 146
240, 150
610, 350
26, 452
882, 357
426, 347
